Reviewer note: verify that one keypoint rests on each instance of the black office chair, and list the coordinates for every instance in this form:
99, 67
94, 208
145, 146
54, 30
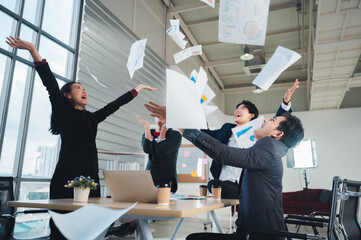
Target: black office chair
332, 233
8, 214
349, 209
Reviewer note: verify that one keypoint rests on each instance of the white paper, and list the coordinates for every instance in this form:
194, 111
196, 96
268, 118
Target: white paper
194, 76
209, 2
95, 78
87, 222
201, 82
184, 110
186, 53
243, 21
280, 61
175, 34
200, 167
136, 56
209, 109
244, 134
207, 95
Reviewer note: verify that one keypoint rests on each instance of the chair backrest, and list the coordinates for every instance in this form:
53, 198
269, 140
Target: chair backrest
331, 230
349, 209
6, 194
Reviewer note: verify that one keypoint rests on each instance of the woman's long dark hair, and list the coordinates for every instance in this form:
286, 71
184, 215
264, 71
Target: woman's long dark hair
54, 129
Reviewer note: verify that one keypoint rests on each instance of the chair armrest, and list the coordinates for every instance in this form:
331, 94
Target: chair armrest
283, 234
313, 219
306, 223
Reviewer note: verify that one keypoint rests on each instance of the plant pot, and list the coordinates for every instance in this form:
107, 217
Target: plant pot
81, 194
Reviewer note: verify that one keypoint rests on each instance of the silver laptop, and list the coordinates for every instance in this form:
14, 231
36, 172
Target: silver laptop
131, 186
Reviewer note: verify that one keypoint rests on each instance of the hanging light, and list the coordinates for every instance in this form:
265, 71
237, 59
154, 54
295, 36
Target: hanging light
257, 90
246, 55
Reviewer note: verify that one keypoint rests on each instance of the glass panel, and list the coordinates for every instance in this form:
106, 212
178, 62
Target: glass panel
32, 225
32, 11
21, 74
60, 59
41, 152
8, 27
59, 19
12, 5
4, 65
27, 34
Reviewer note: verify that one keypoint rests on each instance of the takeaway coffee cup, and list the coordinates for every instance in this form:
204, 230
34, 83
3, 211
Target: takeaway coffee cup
163, 194
203, 190
216, 192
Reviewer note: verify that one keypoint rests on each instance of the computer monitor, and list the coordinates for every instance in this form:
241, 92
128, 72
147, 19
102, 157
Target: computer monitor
302, 156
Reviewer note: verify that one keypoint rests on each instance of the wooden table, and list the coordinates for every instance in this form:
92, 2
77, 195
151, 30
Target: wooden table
142, 212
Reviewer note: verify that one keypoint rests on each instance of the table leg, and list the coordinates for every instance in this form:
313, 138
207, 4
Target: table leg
215, 219
146, 234
174, 234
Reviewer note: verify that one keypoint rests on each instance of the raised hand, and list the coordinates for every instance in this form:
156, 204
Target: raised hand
18, 43
289, 92
142, 86
147, 132
145, 123
156, 110
21, 44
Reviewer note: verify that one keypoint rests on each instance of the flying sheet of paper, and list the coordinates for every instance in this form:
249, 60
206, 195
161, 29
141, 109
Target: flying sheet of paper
280, 61
209, 109
244, 134
95, 78
207, 95
87, 222
188, 52
175, 34
209, 2
184, 110
194, 76
243, 21
201, 82
199, 167
136, 56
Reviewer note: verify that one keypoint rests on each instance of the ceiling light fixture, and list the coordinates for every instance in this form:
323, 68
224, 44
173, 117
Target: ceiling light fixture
246, 55
257, 90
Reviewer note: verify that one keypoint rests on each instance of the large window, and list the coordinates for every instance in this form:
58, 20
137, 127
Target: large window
27, 150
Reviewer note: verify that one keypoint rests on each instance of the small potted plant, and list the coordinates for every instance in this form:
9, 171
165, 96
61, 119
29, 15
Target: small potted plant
82, 186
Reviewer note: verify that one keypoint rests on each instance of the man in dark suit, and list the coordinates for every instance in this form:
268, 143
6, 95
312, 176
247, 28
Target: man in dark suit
260, 206
227, 176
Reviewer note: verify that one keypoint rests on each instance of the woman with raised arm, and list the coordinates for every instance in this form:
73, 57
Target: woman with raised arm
76, 126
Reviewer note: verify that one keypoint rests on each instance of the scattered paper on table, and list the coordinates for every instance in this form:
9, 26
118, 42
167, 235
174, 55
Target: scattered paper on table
209, 2
136, 56
186, 53
175, 34
87, 222
244, 134
280, 61
183, 100
209, 109
243, 21
95, 78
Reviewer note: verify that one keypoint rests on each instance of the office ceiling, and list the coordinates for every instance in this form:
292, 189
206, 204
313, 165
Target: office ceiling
328, 39
330, 69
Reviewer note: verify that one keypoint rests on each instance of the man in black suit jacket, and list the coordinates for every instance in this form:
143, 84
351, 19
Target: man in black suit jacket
260, 199
226, 176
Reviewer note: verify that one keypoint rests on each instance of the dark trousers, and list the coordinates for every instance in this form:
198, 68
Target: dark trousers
57, 190
229, 189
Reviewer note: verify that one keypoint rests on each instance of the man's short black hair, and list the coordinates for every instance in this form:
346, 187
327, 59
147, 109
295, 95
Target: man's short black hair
292, 129
250, 106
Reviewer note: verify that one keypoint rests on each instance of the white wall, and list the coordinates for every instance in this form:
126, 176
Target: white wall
337, 134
